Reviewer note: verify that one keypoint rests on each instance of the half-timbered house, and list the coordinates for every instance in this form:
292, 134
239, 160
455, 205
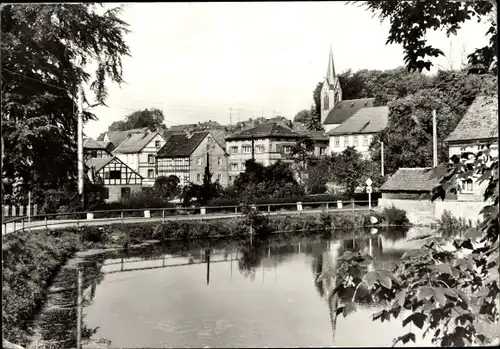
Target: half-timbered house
139, 151
119, 180
186, 155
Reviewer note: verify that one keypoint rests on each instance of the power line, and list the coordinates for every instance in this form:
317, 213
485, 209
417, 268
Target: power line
40, 81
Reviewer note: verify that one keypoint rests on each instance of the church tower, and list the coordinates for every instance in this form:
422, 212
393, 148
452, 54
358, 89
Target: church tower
331, 93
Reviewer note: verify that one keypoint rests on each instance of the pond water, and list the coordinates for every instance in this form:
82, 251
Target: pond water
228, 294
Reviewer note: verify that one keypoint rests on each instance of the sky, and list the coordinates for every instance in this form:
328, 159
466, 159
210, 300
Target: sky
204, 61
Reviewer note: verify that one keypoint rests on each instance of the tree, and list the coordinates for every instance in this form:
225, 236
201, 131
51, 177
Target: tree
302, 116
45, 51
318, 174
302, 151
167, 186
348, 169
150, 118
410, 21
313, 123
317, 97
408, 135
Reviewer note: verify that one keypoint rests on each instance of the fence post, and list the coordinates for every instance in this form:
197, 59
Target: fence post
121, 214
327, 206
14, 226
22, 220
163, 215
352, 202
21, 211
236, 210
13, 210
46, 226
269, 208
35, 209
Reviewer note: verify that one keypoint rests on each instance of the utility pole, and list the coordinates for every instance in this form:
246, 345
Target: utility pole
80, 144
434, 139
382, 158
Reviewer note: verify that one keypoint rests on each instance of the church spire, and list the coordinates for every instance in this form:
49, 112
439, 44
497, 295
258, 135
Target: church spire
330, 74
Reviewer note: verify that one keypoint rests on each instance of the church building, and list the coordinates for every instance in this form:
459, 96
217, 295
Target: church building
348, 122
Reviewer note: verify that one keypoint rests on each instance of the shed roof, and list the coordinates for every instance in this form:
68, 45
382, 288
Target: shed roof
135, 142
99, 163
265, 130
345, 109
90, 143
480, 122
418, 179
179, 145
116, 137
365, 120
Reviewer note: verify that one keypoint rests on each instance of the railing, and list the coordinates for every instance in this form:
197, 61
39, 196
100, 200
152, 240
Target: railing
165, 213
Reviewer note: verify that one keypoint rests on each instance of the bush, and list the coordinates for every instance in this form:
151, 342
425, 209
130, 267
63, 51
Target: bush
394, 216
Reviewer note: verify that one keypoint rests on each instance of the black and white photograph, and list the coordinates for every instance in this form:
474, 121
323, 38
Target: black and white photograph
250, 174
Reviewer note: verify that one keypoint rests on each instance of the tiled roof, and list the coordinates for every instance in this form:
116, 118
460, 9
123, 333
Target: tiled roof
365, 120
179, 145
135, 142
268, 129
89, 143
315, 135
345, 109
411, 179
117, 137
479, 122
99, 163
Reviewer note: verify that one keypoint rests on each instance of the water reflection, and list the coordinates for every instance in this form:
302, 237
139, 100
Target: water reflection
144, 297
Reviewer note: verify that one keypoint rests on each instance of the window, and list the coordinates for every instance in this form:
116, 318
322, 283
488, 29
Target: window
186, 179
243, 166
115, 174
198, 161
346, 141
151, 158
234, 167
246, 149
151, 173
365, 141
287, 149
105, 193
468, 186
355, 141
219, 177
230, 178
125, 192
259, 149
198, 177
325, 102
157, 144
337, 141
234, 150
93, 153
219, 161
322, 151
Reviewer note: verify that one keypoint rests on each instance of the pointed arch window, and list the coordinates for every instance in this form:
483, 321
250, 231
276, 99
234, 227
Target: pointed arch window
325, 102
337, 97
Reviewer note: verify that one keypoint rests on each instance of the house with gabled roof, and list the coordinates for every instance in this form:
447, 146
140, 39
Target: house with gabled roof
96, 149
118, 179
116, 137
186, 156
476, 130
139, 151
358, 130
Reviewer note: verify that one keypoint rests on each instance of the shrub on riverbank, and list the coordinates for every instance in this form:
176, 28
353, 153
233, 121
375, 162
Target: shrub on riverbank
29, 262
394, 216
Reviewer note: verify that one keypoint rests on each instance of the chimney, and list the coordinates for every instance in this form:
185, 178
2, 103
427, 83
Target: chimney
434, 139
189, 133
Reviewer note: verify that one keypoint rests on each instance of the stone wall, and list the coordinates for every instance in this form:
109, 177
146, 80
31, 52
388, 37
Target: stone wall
417, 211
115, 191
460, 209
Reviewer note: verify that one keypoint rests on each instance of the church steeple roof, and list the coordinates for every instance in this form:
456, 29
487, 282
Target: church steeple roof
330, 73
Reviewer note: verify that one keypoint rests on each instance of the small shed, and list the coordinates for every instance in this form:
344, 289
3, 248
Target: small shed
410, 183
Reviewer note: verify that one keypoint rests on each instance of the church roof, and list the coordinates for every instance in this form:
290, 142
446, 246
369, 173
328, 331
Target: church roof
365, 120
479, 122
266, 130
345, 109
330, 73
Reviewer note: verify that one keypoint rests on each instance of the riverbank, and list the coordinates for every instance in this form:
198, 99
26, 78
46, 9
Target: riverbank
32, 260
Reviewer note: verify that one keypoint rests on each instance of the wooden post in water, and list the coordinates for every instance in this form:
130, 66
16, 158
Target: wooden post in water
79, 310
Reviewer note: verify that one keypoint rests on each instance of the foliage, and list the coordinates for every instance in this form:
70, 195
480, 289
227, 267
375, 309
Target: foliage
410, 21
45, 50
394, 216
449, 223
349, 169
259, 181
313, 123
408, 135
317, 97
203, 193
448, 291
167, 186
149, 118
302, 116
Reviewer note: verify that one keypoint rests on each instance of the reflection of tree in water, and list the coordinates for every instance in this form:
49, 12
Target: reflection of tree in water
317, 266
394, 233
251, 257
